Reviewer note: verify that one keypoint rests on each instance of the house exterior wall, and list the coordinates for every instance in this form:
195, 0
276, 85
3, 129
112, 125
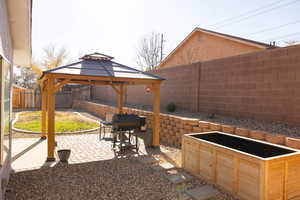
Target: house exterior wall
202, 47
5, 38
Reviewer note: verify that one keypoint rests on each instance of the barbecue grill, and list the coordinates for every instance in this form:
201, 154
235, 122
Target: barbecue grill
126, 122
124, 127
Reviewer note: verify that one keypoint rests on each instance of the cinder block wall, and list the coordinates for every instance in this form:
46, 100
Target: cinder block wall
180, 87
261, 85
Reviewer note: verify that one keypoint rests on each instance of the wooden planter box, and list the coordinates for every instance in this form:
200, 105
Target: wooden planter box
247, 168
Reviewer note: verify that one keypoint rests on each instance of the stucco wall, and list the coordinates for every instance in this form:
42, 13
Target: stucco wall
202, 47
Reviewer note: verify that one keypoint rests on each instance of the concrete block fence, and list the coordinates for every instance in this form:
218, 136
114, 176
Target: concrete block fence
173, 127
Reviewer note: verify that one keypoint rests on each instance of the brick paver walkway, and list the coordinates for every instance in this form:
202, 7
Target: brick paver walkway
88, 148
31, 153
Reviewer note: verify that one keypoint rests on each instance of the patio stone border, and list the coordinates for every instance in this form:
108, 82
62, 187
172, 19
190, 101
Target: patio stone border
58, 133
173, 127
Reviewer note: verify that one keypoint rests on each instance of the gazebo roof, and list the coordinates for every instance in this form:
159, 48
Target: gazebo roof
101, 65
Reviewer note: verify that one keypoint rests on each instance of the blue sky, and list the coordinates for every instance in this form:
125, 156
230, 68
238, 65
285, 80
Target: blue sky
115, 27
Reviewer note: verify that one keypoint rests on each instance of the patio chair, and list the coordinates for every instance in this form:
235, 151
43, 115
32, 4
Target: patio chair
104, 125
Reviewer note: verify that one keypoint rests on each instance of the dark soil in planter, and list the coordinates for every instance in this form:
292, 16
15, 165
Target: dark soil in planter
248, 146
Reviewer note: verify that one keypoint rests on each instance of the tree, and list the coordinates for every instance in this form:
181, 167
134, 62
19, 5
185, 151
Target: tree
53, 57
25, 77
150, 51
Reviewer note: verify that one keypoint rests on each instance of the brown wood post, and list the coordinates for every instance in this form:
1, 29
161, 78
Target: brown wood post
156, 115
51, 118
43, 113
121, 99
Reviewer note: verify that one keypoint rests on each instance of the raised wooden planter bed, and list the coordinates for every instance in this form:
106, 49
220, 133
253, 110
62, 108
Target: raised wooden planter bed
248, 168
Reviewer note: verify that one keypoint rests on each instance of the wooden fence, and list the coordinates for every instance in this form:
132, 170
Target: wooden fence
23, 98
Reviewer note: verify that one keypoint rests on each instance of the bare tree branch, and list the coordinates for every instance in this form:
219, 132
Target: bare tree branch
54, 57
150, 51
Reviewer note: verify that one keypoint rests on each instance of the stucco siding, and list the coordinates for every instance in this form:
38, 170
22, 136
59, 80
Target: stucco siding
202, 47
5, 39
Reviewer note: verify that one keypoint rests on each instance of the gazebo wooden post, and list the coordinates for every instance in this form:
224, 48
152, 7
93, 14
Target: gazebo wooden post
156, 114
121, 99
51, 118
44, 112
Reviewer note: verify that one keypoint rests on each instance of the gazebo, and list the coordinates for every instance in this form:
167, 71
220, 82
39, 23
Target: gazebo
94, 69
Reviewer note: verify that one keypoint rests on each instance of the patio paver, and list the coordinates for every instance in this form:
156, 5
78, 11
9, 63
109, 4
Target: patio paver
179, 178
205, 192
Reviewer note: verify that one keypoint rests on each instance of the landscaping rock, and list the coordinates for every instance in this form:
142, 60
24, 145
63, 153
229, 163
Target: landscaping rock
258, 135
228, 129
242, 132
293, 143
203, 124
215, 127
179, 178
275, 139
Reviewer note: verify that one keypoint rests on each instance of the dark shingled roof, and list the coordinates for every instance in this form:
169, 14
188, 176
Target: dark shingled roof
98, 64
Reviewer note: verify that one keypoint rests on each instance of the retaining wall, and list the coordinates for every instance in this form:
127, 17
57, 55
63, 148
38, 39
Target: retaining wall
173, 127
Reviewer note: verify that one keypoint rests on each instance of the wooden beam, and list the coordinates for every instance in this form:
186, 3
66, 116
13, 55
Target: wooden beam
51, 118
91, 83
43, 85
115, 89
60, 84
105, 78
121, 99
156, 115
43, 113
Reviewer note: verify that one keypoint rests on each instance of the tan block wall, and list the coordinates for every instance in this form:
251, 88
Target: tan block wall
173, 127
264, 85
180, 88
203, 47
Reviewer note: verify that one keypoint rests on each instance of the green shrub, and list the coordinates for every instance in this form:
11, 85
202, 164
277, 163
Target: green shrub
171, 107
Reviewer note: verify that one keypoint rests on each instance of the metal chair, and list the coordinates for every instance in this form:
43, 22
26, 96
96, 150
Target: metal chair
104, 125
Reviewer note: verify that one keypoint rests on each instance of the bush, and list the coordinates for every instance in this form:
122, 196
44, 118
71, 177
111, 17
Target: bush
171, 107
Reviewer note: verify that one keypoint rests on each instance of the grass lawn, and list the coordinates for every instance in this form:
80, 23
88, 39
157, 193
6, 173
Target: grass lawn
64, 122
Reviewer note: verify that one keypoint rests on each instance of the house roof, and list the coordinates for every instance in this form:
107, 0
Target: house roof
218, 34
101, 65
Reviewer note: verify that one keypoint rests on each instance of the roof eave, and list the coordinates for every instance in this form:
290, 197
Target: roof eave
20, 21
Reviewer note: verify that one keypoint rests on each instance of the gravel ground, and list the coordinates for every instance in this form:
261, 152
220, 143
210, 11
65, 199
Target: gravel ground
278, 128
124, 178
